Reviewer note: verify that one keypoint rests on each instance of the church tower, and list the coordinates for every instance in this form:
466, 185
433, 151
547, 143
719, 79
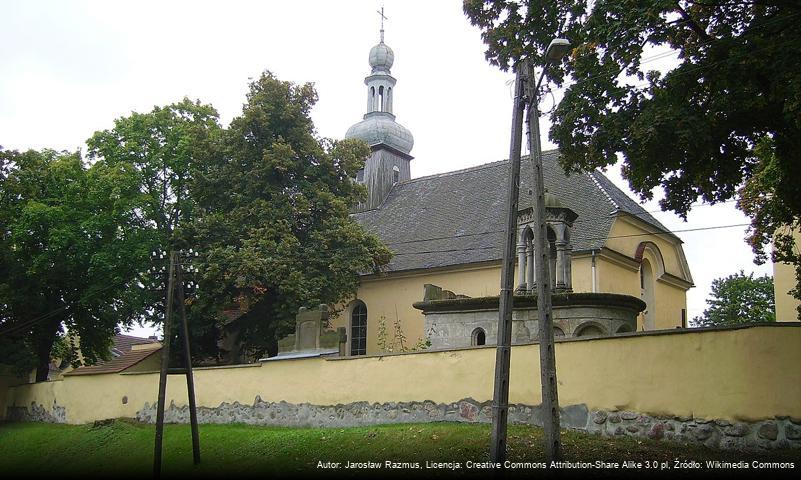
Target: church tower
389, 141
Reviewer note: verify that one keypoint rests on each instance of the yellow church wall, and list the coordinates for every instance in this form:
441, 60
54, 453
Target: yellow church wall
626, 235
731, 374
784, 281
615, 278
669, 298
670, 301
392, 296
582, 273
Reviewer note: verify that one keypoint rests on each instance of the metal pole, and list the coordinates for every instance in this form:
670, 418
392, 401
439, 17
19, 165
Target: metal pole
190, 382
550, 399
500, 400
165, 361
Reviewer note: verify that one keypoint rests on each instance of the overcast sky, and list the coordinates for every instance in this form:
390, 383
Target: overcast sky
68, 69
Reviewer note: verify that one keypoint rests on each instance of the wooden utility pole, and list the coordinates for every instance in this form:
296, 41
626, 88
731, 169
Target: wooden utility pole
190, 381
175, 275
500, 400
550, 400
165, 362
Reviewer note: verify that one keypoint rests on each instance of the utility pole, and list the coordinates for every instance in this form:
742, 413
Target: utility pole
526, 87
550, 400
165, 362
190, 381
500, 400
175, 276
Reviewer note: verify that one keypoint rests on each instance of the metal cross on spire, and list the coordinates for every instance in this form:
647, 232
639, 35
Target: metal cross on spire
381, 12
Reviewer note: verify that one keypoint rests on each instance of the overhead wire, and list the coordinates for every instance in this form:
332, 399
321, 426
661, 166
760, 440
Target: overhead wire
485, 232
590, 238
28, 324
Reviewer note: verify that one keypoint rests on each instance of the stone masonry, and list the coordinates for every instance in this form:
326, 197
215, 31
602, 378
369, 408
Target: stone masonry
780, 432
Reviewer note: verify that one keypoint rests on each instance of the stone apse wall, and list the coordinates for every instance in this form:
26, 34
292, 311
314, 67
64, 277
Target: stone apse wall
726, 388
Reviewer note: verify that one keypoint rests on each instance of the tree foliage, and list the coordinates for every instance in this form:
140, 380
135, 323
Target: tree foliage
158, 155
725, 118
68, 255
739, 299
264, 203
274, 230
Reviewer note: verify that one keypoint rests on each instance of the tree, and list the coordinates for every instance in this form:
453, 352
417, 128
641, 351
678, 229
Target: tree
161, 153
67, 257
726, 119
273, 226
739, 299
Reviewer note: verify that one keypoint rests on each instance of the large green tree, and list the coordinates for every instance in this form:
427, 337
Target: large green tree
726, 117
273, 225
69, 248
161, 153
739, 299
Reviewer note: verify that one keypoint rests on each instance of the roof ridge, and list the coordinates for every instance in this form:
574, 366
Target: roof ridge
134, 339
455, 172
602, 189
471, 169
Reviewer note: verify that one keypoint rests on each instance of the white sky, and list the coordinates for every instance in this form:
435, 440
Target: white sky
68, 69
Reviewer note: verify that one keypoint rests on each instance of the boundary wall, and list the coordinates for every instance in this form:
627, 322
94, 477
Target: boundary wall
724, 387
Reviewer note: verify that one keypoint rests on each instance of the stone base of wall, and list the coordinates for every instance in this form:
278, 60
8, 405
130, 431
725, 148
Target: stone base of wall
349, 415
37, 413
780, 432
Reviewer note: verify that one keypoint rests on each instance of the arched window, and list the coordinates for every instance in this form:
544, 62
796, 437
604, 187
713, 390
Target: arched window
381, 98
395, 174
552, 254
479, 337
647, 294
358, 330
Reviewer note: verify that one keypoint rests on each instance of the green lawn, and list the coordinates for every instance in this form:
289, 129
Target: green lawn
123, 448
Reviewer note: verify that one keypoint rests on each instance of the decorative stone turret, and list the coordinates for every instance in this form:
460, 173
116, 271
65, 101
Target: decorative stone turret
390, 141
559, 220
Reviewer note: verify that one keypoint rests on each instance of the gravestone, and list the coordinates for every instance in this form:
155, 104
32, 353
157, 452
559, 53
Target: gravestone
308, 326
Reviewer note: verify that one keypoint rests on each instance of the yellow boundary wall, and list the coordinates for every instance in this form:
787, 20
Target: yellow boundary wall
742, 374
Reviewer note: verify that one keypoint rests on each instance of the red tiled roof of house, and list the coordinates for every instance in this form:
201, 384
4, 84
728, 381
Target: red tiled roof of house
123, 356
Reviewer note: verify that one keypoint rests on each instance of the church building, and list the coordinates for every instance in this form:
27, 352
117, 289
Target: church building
446, 230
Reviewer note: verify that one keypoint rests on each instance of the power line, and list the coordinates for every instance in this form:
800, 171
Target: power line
590, 238
485, 232
27, 324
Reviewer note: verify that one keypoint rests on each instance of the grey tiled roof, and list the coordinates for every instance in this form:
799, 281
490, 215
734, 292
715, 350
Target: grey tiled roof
458, 217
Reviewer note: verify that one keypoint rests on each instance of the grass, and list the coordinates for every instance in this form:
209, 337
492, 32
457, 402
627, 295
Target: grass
124, 448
